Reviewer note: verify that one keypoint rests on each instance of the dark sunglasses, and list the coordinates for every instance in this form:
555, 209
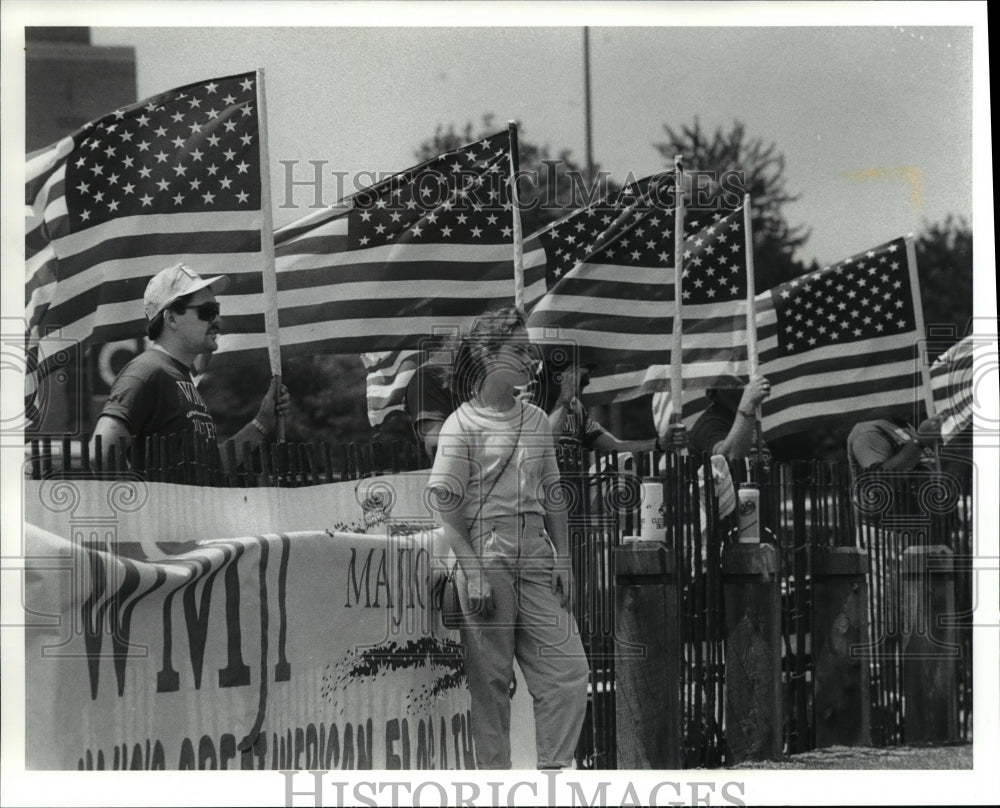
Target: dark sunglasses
207, 311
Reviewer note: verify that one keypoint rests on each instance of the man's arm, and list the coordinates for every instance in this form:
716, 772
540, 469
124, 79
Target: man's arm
607, 442
264, 425
112, 433
736, 444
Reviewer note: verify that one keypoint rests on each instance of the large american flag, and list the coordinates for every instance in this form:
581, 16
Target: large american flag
840, 343
421, 251
173, 178
610, 290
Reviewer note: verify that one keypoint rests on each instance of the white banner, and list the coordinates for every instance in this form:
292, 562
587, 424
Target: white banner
300, 650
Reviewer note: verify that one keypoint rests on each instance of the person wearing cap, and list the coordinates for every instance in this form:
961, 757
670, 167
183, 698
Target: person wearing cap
155, 394
728, 426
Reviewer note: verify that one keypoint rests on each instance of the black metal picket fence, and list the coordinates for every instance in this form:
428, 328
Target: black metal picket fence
900, 514
185, 460
805, 506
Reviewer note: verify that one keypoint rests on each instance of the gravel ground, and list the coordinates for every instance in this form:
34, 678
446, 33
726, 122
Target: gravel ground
865, 757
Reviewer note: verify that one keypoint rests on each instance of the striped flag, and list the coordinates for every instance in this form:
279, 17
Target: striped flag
838, 343
424, 250
609, 287
174, 178
841, 341
952, 387
389, 372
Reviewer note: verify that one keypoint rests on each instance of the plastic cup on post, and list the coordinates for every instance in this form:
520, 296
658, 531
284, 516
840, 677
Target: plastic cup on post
749, 514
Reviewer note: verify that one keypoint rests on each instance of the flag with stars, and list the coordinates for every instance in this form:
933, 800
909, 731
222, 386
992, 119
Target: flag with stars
841, 341
610, 290
175, 178
425, 249
953, 385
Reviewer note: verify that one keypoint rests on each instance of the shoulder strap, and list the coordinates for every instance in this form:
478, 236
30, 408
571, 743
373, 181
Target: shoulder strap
503, 468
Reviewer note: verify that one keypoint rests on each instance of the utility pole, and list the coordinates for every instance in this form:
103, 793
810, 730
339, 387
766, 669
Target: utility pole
588, 135
612, 414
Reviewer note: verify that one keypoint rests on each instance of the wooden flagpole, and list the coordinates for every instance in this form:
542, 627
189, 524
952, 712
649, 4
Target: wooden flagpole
676, 377
270, 280
918, 319
516, 217
752, 357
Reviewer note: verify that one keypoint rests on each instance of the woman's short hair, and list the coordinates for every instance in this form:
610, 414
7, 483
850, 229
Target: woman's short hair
488, 333
155, 326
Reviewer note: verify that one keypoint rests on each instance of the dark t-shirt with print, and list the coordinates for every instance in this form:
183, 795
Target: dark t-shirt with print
155, 395
577, 432
578, 429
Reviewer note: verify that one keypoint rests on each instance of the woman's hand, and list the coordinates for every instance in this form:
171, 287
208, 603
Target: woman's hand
481, 602
562, 583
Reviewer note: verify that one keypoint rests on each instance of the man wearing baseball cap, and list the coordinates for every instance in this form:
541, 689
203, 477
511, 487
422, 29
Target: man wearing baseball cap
155, 394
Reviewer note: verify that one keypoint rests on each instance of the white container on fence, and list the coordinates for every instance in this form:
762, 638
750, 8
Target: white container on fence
749, 514
652, 524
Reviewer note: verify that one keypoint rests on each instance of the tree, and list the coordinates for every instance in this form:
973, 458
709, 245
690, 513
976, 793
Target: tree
728, 164
944, 267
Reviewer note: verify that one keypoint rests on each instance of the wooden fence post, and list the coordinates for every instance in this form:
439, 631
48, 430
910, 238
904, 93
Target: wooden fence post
842, 702
752, 593
647, 657
930, 645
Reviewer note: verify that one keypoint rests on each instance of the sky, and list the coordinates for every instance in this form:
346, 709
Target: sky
875, 123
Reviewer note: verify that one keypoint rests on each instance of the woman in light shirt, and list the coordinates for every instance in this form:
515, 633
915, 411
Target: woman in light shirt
491, 486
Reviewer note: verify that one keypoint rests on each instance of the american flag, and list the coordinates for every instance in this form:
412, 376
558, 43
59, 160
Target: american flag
838, 343
841, 341
610, 290
173, 178
952, 385
425, 249
389, 372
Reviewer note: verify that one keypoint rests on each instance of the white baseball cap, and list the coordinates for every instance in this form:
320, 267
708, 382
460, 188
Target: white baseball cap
173, 282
